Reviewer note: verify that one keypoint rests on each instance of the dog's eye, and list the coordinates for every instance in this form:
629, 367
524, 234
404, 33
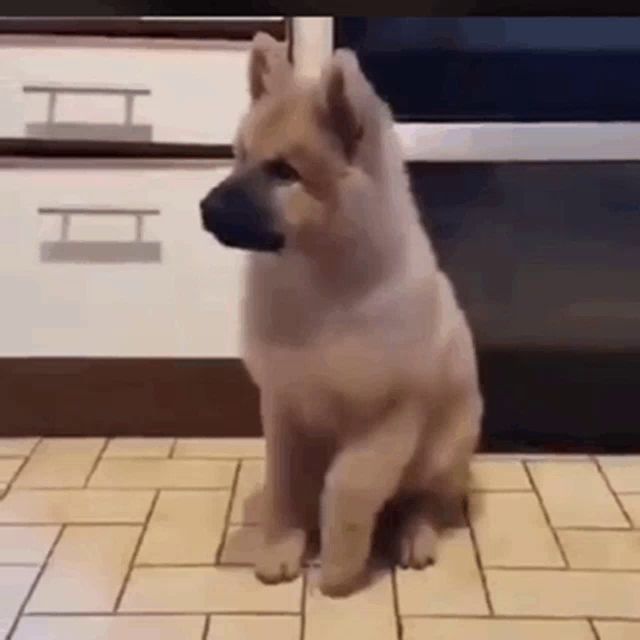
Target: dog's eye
282, 170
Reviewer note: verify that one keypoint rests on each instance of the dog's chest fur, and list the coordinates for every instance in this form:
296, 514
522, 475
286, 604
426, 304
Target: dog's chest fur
332, 361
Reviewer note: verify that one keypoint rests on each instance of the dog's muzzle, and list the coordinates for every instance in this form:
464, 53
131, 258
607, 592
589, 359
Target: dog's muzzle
234, 214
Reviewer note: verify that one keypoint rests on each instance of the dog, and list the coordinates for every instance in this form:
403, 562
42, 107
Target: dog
364, 360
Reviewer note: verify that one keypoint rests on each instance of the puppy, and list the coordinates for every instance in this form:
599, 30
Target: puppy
364, 360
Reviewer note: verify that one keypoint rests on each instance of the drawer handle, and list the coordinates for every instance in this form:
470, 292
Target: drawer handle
126, 131
106, 252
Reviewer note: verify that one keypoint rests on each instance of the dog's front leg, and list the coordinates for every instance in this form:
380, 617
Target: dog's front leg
364, 476
284, 537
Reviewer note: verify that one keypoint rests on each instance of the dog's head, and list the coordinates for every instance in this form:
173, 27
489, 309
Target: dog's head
302, 152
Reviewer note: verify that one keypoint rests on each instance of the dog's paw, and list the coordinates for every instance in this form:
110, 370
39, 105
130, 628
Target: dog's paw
281, 561
338, 581
417, 546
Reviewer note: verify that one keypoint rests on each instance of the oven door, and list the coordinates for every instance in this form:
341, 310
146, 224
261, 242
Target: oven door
523, 142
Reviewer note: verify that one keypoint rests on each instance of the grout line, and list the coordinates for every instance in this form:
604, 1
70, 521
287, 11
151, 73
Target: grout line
143, 532
227, 515
96, 462
561, 569
125, 489
303, 603
549, 618
594, 630
36, 581
9, 485
156, 613
396, 603
595, 529
616, 497
38, 445
566, 570
476, 491
9, 456
207, 625
310, 565
172, 449
138, 458
547, 517
73, 523
184, 565
478, 559
222, 458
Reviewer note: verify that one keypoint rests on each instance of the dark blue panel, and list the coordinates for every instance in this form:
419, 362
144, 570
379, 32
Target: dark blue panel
501, 69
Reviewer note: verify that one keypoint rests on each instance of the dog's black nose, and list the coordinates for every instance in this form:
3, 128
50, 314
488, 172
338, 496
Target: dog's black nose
237, 218
210, 206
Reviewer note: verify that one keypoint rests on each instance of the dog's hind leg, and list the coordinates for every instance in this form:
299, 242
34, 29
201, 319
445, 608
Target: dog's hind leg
418, 535
439, 483
363, 477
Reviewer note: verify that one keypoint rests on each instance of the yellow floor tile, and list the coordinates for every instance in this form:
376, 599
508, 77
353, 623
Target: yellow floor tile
8, 468
15, 583
207, 589
477, 629
86, 570
623, 472
451, 587
220, 448
139, 448
61, 463
258, 627
601, 549
564, 593
511, 531
609, 630
368, 613
498, 475
248, 495
26, 545
164, 474
576, 495
631, 503
111, 628
17, 446
240, 545
77, 506
186, 527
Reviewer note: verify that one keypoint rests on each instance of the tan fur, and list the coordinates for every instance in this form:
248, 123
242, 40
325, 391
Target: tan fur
364, 360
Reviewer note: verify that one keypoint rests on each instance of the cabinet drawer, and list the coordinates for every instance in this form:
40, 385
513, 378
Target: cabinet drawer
123, 90
105, 261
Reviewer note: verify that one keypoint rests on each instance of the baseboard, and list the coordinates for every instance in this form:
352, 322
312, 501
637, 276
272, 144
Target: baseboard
536, 400
127, 397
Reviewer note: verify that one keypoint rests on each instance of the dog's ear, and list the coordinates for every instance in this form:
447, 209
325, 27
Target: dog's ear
348, 99
269, 68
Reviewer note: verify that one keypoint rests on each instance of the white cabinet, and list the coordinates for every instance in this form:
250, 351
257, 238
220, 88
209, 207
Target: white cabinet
74, 282
105, 89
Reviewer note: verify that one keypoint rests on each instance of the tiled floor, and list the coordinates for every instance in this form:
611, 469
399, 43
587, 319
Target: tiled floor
152, 540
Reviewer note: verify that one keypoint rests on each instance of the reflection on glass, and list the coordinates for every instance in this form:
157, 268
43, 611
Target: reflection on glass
542, 254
